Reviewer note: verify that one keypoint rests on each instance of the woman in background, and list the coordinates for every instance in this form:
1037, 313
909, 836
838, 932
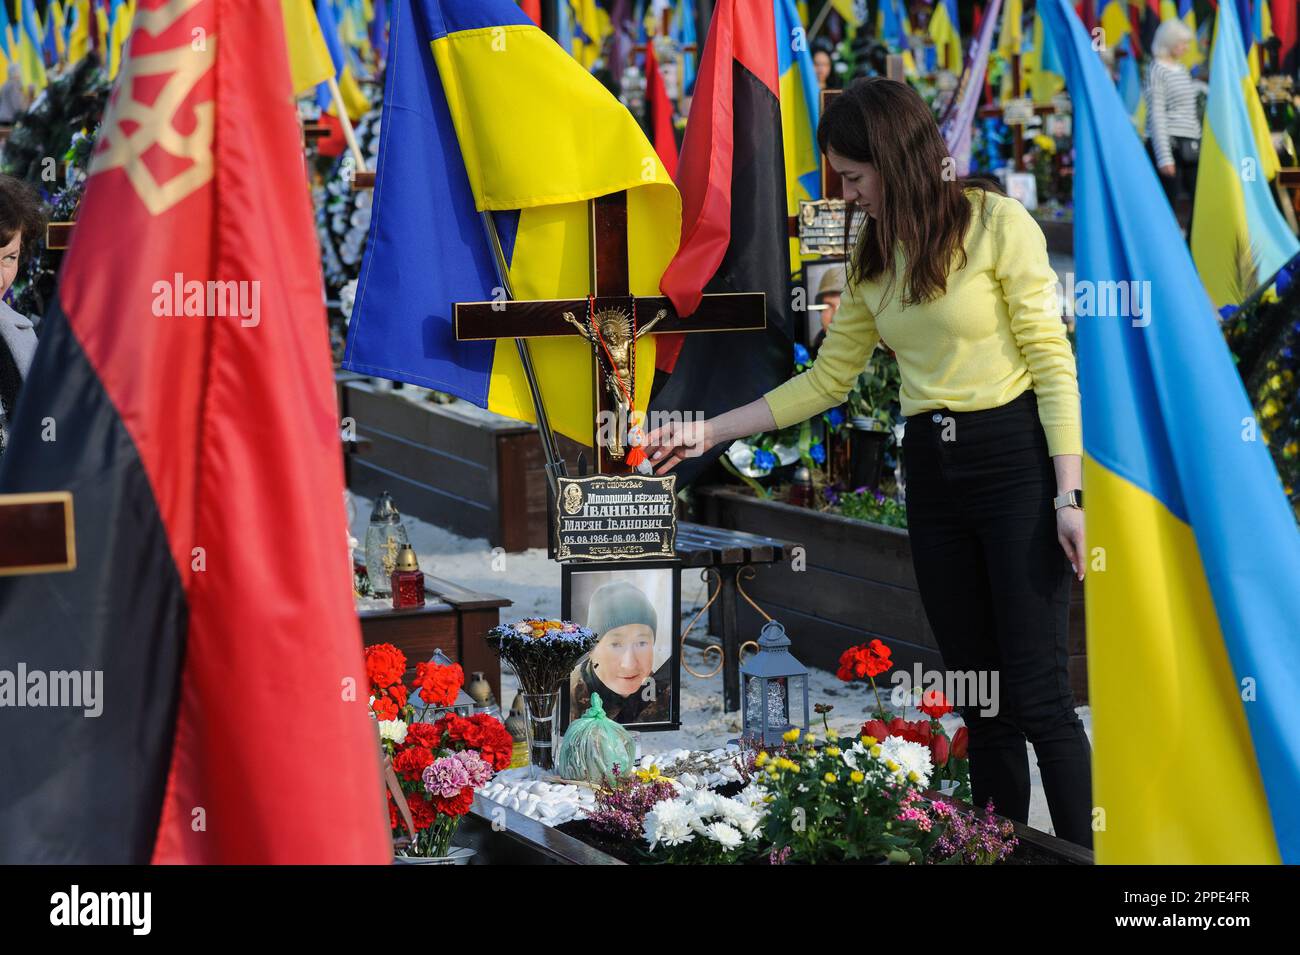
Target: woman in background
1173, 125
22, 223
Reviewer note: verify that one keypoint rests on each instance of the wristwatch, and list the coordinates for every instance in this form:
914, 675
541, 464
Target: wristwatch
1069, 499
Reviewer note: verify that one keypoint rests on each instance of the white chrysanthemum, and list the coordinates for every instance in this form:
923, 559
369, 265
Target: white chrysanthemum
708, 803
394, 730
669, 822
908, 756
753, 796
725, 835
745, 818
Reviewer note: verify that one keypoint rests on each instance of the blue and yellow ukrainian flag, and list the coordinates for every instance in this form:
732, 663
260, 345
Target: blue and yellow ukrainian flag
1010, 31
115, 29
895, 28
56, 49
1261, 29
1187, 13
684, 33
1045, 79
945, 32
800, 112
309, 56
1235, 210
849, 11
1190, 593
800, 107
30, 41
1129, 82
485, 112
354, 101
8, 48
589, 24
99, 10
1114, 21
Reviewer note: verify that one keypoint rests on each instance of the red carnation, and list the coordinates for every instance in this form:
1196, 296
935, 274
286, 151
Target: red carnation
959, 743
898, 727
439, 683
424, 734
398, 694
456, 805
384, 708
934, 704
921, 732
496, 745
422, 814
385, 665
939, 750
410, 763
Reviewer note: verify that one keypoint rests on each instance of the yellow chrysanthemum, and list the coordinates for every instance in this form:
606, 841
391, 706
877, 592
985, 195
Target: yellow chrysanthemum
791, 734
875, 750
832, 751
829, 777
761, 759
869, 741
856, 776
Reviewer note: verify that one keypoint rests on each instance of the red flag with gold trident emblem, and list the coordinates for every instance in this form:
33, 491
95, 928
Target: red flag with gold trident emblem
182, 392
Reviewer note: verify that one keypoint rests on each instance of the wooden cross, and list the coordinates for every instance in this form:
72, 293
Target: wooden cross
36, 533
612, 305
1040, 109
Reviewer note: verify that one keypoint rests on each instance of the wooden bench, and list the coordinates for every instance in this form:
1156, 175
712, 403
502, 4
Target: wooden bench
729, 556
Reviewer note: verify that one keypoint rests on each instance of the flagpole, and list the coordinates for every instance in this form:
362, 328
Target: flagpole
821, 19
555, 466
348, 132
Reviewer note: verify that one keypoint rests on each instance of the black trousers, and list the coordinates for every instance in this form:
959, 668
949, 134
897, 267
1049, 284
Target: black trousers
995, 584
1182, 181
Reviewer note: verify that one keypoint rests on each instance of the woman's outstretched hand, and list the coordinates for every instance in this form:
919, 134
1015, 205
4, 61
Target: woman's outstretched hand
668, 446
1069, 531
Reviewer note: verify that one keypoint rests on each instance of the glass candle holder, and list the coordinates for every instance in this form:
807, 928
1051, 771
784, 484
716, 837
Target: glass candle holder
407, 580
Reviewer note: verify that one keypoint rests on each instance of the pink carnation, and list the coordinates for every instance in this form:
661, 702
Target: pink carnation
446, 777
480, 771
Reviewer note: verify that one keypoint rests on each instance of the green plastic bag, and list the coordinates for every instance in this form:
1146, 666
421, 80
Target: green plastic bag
593, 746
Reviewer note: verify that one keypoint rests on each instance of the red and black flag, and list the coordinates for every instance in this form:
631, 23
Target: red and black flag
182, 392
734, 225
1284, 28
659, 112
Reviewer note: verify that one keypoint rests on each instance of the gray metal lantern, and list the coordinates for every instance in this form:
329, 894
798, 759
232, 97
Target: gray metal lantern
774, 688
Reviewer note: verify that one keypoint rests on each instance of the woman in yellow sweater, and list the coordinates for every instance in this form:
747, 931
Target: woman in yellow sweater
967, 301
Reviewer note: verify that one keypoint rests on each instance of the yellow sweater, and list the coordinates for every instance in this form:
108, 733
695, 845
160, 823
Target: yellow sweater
995, 333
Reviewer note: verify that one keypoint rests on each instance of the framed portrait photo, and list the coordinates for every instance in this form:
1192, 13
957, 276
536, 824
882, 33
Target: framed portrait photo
635, 666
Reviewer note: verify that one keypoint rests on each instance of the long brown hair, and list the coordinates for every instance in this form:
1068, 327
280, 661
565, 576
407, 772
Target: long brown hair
923, 204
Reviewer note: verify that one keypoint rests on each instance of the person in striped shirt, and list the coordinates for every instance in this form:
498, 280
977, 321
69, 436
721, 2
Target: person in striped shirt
1173, 122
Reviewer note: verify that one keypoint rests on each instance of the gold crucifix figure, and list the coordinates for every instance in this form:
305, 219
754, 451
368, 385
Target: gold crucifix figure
614, 326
